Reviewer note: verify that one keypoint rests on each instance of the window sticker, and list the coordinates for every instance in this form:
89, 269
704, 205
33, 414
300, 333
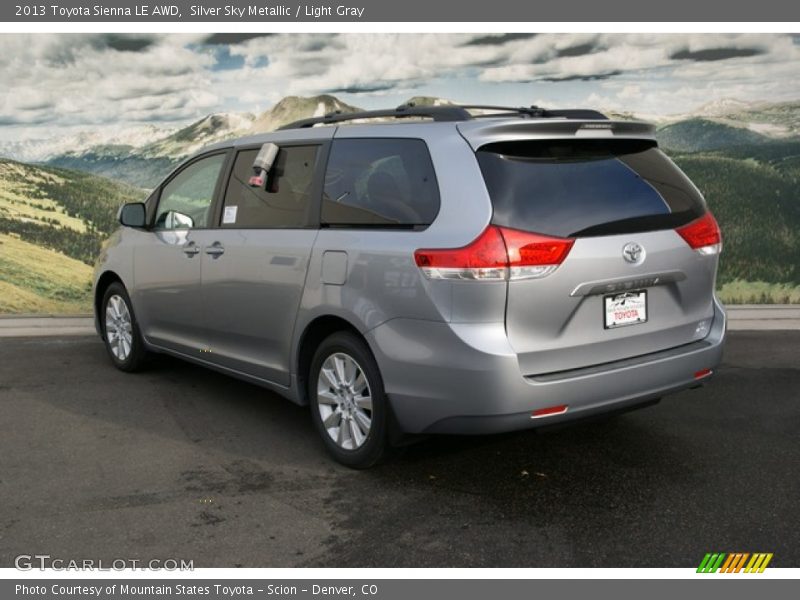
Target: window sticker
229, 216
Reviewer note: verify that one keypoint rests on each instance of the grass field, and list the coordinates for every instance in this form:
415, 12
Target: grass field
759, 292
34, 279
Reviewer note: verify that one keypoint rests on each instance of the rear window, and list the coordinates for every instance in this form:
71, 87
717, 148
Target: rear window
581, 188
379, 183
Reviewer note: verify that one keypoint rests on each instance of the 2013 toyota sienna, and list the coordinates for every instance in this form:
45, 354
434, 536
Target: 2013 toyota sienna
453, 272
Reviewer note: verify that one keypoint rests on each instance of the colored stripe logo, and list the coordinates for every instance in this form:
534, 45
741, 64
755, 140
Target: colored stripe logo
737, 562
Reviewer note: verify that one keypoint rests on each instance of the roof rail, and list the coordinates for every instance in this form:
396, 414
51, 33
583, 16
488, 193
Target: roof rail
535, 112
437, 113
448, 112
530, 111
576, 113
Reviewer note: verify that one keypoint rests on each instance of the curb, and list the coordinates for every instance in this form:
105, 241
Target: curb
763, 317
39, 326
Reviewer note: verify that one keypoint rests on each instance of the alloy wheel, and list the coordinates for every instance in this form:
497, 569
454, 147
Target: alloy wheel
119, 328
344, 400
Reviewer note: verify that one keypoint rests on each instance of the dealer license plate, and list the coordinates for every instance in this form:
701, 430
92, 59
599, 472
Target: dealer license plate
627, 308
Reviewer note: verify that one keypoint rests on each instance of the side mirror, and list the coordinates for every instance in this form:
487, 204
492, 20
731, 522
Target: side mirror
263, 164
133, 214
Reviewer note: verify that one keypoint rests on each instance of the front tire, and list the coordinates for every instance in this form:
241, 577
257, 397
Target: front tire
121, 333
348, 402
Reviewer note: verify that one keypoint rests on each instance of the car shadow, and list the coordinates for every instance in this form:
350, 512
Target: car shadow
237, 417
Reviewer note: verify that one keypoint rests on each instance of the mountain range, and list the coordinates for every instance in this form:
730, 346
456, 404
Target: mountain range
144, 165
143, 156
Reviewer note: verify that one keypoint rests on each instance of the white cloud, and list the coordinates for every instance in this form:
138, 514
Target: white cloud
63, 79
629, 92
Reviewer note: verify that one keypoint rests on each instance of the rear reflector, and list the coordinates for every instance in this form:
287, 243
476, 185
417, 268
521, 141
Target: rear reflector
702, 234
702, 373
549, 411
498, 253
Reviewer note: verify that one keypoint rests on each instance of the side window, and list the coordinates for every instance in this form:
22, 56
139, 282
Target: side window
379, 182
286, 201
186, 200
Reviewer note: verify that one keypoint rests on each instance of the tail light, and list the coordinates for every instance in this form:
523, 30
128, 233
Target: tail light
702, 234
498, 253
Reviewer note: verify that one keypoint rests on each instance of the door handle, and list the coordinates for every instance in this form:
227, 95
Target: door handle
215, 250
190, 249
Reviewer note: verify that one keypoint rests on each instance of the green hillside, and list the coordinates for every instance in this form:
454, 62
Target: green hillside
697, 135
754, 191
52, 222
120, 163
34, 279
758, 209
782, 155
67, 211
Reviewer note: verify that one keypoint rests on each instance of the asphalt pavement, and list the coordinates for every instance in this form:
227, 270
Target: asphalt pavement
181, 462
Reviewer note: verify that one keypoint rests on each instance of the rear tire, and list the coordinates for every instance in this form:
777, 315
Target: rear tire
121, 333
348, 402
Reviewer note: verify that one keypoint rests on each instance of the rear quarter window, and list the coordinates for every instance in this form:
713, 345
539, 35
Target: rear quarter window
379, 183
581, 188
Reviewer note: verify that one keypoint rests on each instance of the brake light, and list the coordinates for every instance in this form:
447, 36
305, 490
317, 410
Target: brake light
702, 234
498, 253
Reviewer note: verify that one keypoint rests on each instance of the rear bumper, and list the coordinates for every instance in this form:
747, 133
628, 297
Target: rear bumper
450, 378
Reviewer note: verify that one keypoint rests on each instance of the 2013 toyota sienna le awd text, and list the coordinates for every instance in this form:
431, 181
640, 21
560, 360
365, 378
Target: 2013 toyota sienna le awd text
455, 272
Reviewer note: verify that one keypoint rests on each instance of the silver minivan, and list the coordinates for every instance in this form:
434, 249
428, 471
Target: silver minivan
425, 270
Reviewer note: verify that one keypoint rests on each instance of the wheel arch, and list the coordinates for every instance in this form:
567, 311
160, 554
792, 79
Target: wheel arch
317, 330
105, 280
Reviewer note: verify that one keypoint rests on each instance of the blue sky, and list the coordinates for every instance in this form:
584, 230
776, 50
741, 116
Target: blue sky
57, 83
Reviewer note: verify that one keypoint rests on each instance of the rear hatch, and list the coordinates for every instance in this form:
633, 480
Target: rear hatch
640, 274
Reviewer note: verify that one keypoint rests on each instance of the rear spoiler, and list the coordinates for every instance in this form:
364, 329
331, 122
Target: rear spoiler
481, 132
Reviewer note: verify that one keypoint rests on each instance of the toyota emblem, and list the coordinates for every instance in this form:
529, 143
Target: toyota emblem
633, 253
